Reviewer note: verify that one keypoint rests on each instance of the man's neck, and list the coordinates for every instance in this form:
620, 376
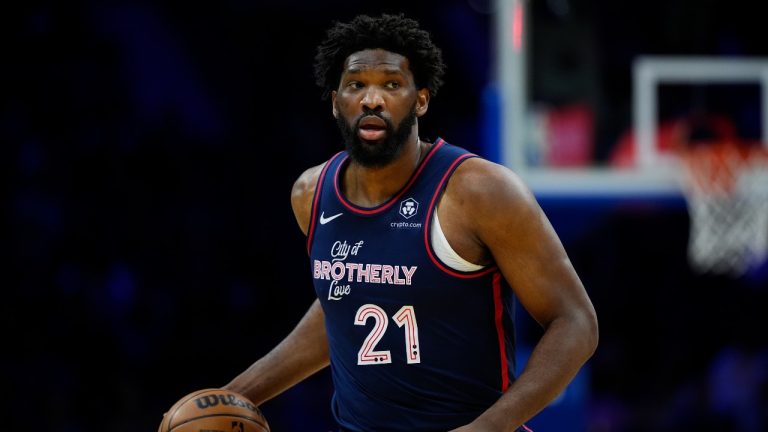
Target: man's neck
369, 187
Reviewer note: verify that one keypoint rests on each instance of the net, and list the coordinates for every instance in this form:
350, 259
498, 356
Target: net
726, 188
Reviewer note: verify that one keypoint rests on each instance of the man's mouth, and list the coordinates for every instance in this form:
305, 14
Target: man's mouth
371, 133
372, 128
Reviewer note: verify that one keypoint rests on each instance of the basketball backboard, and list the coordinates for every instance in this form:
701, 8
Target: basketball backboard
652, 172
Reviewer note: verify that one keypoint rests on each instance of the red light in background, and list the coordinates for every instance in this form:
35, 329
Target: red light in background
517, 26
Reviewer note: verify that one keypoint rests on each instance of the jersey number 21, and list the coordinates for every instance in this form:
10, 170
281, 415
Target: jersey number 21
404, 317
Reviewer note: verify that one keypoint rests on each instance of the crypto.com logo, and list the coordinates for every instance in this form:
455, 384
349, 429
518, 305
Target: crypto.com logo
408, 208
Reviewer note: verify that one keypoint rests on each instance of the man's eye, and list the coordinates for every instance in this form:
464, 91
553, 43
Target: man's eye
393, 84
355, 85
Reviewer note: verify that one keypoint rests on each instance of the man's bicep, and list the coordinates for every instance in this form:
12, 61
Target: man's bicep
529, 253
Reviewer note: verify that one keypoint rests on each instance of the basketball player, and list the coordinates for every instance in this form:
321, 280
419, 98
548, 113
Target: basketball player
416, 249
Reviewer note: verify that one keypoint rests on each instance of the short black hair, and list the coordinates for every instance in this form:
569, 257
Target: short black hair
394, 33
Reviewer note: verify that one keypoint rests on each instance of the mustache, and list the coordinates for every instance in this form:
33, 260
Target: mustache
369, 112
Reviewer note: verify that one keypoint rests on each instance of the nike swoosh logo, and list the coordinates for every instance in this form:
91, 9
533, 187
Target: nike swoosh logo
324, 220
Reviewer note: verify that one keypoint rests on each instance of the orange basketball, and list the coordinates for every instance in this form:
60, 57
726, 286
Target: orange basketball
214, 410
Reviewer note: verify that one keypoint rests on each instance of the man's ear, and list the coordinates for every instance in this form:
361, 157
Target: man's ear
333, 104
422, 102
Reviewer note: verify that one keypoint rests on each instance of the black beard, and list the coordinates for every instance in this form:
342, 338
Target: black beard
377, 154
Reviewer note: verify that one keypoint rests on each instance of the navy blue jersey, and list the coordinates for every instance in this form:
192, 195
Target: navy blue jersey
414, 344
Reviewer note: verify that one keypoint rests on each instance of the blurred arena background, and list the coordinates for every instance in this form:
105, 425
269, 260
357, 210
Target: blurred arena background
148, 150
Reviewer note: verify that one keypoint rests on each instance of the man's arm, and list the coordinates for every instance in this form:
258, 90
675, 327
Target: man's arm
305, 350
500, 214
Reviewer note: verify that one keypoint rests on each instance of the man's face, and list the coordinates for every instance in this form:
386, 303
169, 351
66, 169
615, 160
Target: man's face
376, 105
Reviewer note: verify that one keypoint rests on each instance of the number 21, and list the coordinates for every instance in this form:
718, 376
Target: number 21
404, 317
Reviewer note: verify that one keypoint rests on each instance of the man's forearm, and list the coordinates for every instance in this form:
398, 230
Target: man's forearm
562, 350
303, 352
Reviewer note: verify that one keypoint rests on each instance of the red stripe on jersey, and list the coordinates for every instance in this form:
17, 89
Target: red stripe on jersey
499, 313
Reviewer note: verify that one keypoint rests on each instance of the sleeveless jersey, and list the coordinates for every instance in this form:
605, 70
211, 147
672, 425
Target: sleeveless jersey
414, 345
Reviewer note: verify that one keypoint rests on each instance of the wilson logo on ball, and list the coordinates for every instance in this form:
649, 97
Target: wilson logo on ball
209, 401
214, 410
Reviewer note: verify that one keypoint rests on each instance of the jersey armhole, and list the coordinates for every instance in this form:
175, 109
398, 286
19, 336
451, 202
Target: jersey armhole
316, 201
429, 220
443, 250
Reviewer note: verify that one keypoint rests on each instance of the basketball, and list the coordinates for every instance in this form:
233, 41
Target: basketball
214, 410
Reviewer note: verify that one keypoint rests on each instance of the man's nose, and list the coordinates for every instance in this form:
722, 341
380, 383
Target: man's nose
372, 99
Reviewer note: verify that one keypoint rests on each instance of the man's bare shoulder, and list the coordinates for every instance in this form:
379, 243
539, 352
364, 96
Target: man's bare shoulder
484, 200
302, 194
480, 182
307, 182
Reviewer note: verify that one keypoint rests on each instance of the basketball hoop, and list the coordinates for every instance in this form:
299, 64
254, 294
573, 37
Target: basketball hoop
726, 188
